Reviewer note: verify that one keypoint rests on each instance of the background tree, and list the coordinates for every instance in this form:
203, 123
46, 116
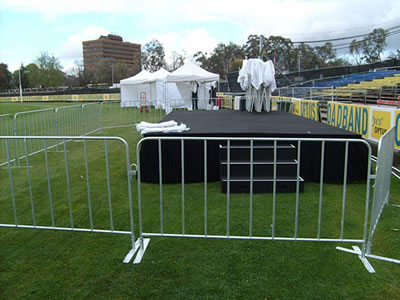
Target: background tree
278, 49
252, 47
76, 75
373, 45
33, 75
222, 60
178, 60
153, 56
102, 71
307, 56
122, 71
50, 70
356, 51
5, 76
325, 54
24, 78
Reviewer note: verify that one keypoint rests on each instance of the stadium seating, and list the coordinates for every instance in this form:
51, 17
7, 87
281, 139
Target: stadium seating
365, 88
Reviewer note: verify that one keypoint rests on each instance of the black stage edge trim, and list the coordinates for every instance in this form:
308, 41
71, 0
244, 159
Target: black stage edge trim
229, 123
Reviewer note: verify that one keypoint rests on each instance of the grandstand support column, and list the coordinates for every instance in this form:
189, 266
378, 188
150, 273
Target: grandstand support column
332, 98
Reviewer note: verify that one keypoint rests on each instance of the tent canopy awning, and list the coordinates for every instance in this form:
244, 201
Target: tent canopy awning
146, 77
191, 72
141, 77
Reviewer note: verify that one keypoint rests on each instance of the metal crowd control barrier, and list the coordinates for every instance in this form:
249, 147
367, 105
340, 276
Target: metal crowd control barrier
66, 209
6, 128
73, 120
69, 120
318, 236
381, 190
127, 113
33, 123
91, 118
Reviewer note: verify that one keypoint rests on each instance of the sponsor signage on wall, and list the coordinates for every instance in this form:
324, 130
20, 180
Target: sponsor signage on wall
351, 117
372, 122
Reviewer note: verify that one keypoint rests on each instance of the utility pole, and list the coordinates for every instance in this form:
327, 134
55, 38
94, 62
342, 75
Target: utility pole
112, 74
20, 84
261, 46
298, 61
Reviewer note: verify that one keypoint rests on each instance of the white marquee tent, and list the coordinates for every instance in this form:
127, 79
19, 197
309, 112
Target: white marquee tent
147, 88
189, 73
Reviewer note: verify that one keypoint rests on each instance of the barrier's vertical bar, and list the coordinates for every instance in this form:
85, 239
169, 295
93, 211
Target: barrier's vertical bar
48, 182
344, 189
83, 119
71, 219
183, 184
251, 187
37, 132
56, 124
101, 116
321, 188
228, 186
129, 178
205, 187
16, 146
161, 188
297, 189
139, 187
11, 183
364, 249
108, 184
274, 192
28, 173
88, 183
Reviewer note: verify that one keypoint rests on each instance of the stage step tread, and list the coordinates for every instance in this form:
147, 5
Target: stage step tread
257, 147
265, 179
260, 162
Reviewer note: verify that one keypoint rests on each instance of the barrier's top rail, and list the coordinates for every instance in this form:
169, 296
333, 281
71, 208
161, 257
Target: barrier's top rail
34, 111
52, 137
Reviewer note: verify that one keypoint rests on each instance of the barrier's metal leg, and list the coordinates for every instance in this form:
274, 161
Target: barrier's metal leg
131, 253
391, 260
356, 250
141, 251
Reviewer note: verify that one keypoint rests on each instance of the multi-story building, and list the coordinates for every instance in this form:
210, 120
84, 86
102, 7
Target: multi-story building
113, 47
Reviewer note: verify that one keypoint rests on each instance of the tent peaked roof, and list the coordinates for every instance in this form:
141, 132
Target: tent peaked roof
161, 74
141, 77
192, 72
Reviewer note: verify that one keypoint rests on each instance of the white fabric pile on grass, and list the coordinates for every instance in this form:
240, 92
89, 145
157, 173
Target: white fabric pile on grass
164, 127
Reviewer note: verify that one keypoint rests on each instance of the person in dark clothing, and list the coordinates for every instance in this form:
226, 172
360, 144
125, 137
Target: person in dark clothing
195, 88
213, 94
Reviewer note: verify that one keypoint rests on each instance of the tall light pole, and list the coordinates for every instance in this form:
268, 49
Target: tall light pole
20, 84
112, 74
261, 46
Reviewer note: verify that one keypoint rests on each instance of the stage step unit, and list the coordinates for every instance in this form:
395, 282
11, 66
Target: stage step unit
263, 168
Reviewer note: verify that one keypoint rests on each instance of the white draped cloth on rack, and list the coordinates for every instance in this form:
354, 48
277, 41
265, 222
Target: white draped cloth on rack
257, 78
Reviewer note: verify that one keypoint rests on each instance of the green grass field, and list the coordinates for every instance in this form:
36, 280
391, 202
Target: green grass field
54, 264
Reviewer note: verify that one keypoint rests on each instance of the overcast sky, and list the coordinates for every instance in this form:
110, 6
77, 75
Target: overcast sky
29, 27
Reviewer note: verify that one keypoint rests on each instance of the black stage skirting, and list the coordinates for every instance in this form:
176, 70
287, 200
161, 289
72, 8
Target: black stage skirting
229, 123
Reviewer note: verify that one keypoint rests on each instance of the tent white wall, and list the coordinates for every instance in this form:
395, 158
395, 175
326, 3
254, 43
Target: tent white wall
147, 88
188, 73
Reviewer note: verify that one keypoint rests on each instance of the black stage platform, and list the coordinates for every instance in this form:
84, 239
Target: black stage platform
228, 123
